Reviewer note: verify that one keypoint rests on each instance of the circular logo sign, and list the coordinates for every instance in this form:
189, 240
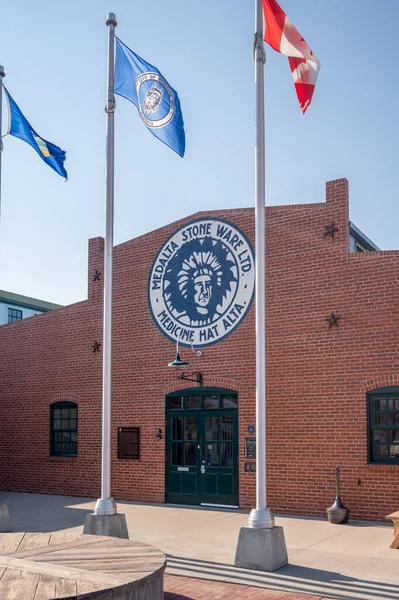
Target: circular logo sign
156, 100
201, 283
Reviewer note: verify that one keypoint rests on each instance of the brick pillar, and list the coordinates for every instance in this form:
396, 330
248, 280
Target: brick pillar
337, 205
95, 289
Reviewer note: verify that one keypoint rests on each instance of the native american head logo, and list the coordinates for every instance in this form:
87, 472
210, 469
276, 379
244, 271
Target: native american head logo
198, 279
152, 99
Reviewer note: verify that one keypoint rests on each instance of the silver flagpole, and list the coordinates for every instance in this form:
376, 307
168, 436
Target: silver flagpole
106, 505
261, 517
2, 74
261, 545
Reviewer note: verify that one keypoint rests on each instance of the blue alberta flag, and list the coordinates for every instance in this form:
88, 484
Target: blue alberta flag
157, 102
20, 128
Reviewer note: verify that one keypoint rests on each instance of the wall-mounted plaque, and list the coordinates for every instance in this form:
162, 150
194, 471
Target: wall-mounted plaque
250, 447
250, 467
129, 442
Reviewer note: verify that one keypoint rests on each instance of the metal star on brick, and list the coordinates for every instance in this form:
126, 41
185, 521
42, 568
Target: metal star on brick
96, 346
332, 320
96, 275
330, 230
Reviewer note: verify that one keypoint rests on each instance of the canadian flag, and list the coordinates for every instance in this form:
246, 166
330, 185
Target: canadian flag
280, 33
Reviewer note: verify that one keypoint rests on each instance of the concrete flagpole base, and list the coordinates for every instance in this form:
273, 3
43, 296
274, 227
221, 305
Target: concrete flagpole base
5, 524
110, 525
261, 549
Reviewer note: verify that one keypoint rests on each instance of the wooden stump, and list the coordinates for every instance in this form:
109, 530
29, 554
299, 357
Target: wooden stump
44, 566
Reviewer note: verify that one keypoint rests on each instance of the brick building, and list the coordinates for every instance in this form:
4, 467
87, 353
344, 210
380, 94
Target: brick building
332, 369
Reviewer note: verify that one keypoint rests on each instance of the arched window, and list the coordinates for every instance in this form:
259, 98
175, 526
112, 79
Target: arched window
64, 429
383, 425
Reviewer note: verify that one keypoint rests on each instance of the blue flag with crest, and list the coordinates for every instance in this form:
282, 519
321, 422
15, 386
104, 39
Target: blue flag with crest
20, 128
157, 102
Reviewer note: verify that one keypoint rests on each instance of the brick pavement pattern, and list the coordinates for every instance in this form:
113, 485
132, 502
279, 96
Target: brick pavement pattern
188, 588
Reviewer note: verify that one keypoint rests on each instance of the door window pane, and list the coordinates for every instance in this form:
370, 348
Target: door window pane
226, 455
229, 401
211, 428
177, 428
177, 454
193, 401
191, 429
175, 402
211, 402
190, 454
212, 455
226, 428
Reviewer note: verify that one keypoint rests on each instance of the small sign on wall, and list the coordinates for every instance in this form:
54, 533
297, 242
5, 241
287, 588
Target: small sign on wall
250, 447
129, 442
250, 467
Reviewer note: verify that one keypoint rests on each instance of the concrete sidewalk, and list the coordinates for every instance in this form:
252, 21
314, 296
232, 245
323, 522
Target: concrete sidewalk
337, 561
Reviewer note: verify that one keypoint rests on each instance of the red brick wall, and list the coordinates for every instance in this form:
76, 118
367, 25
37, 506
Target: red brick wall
317, 377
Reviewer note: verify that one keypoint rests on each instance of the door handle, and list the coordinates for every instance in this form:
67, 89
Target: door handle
203, 469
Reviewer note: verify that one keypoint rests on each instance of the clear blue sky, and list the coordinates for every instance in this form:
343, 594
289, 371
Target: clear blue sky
54, 54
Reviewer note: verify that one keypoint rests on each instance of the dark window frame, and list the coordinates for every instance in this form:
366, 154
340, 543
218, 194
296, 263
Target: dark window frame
14, 314
53, 430
185, 395
385, 392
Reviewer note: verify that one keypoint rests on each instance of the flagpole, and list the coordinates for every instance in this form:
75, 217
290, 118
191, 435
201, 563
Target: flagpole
261, 546
261, 517
2, 74
106, 505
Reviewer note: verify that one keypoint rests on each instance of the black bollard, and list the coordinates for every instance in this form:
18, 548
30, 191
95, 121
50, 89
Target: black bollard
338, 513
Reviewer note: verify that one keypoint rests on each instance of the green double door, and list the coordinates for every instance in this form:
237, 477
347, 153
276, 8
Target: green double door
202, 457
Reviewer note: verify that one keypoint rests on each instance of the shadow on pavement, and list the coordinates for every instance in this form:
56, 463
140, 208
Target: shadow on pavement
42, 513
292, 578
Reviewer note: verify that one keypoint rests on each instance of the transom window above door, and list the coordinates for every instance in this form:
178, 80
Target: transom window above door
204, 399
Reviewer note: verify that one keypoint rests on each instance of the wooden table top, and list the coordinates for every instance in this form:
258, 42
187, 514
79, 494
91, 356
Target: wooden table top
43, 566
